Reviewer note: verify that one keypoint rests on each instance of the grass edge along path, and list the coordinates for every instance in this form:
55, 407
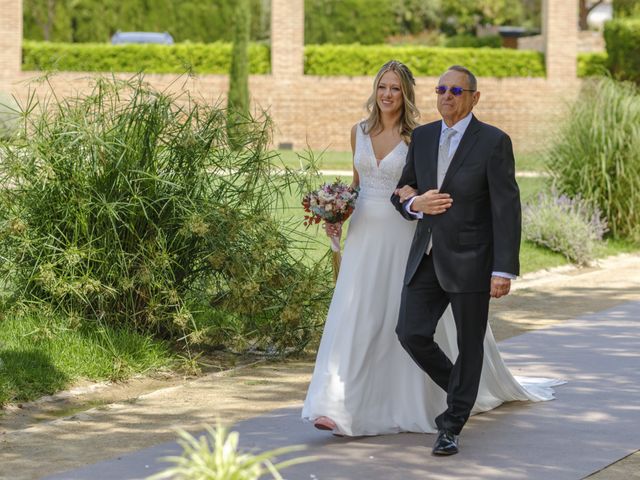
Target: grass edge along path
43, 354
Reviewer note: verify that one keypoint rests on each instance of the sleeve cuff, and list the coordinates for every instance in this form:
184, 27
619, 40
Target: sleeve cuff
407, 207
510, 276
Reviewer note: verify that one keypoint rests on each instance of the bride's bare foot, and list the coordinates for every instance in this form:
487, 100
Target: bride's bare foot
324, 423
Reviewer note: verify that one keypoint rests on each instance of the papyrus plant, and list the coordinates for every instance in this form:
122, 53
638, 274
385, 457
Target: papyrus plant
127, 204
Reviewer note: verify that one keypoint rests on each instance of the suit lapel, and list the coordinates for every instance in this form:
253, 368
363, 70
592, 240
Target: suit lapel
466, 144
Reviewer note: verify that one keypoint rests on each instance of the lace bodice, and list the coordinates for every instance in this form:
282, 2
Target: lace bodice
377, 180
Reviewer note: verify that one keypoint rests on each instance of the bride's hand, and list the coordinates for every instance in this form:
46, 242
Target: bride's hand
333, 229
405, 193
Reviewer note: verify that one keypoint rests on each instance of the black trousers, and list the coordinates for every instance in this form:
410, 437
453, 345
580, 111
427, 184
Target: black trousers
423, 303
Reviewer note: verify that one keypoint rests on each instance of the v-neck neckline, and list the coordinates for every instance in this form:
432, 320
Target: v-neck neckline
375, 159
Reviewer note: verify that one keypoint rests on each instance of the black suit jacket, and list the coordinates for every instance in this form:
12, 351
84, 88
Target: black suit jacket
480, 233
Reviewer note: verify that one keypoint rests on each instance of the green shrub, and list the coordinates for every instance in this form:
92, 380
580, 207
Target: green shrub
622, 38
471, 41
595, 155
592, 64
97, 20
626, 8
95, 57
567, 226
357, 59
128, 205
348, 21
417, 16
464, 16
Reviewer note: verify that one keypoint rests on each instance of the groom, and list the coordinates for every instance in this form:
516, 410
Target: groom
465, 249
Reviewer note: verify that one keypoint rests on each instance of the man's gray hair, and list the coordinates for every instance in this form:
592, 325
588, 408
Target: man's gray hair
473, 83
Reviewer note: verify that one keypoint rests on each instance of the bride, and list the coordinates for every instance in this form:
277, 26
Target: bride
364, 382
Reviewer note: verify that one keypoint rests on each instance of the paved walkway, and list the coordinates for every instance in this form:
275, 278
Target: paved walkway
583, 325
592, 423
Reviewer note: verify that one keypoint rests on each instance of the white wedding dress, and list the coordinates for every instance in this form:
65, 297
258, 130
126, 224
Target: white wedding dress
363, 379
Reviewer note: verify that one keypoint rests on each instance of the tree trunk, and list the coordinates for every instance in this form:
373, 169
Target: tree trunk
238, 101
584, 13
51, 15
239, 75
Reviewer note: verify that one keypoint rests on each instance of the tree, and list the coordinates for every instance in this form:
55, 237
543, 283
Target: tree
97, 20
238, 100
626, 8
46, 20
415, 16
532, 14
464, 16
239, 75
586, 6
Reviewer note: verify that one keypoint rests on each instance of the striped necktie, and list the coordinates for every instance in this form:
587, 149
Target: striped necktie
443, 164
444, 159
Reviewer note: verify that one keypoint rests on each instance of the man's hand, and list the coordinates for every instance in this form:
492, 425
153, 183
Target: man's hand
500, 286
432, 202
405, 193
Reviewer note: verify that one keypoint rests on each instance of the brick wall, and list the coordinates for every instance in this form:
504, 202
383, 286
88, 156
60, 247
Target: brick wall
319, 111
10, 37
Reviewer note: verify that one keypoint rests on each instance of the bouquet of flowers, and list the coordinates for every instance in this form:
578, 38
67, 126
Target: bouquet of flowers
333, 203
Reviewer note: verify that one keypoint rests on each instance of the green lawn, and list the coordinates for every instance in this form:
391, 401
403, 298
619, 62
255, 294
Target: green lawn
531, 186
40, 355
534, 258
530, 162
325, 160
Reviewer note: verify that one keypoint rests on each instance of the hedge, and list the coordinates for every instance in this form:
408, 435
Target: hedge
622, 38
150, 58
322, 60
355, 59
592, 64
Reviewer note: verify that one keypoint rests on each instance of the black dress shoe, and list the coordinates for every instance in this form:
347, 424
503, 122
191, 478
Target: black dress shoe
446, 443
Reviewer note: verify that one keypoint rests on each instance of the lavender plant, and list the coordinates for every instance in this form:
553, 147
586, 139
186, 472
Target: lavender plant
565, 225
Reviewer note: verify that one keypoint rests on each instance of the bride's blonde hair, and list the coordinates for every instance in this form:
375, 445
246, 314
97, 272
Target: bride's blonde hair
410, 113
